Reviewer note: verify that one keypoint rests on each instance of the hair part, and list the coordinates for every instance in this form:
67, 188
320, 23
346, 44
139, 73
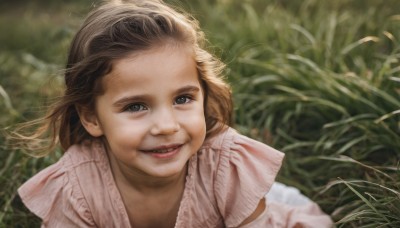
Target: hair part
113, 31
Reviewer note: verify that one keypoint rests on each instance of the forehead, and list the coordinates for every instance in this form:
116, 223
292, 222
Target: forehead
162, 63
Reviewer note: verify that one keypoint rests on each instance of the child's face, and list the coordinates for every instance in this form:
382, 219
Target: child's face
151, 112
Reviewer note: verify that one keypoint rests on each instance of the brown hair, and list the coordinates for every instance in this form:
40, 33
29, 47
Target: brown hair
112, 31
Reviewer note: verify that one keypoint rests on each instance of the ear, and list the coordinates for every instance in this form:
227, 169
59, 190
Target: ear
89, 121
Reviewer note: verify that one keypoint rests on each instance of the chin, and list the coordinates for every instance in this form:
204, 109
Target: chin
169, 172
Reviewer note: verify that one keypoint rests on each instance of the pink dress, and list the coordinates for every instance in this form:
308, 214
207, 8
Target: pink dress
226, 180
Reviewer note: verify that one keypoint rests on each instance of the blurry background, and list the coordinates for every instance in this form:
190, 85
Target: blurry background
317, 79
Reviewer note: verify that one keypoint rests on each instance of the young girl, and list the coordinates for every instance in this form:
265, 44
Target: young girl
144, 125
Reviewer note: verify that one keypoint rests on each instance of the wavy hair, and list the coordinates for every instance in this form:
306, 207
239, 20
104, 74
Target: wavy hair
110, 32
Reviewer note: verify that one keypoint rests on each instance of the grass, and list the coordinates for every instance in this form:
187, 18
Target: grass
319, 80
31, 56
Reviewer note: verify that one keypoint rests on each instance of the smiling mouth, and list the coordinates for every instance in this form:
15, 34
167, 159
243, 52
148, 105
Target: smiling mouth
164, 149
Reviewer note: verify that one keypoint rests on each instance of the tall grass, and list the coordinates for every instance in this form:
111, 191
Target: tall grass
320, 80
32, 52
317, 79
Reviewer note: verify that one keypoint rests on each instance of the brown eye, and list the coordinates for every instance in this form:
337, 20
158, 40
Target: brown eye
135, 108
182, 100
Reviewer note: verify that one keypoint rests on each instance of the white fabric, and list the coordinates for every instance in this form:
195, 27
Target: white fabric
281, 193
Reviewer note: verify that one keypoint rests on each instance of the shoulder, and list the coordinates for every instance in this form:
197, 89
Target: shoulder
233, 145
55, 193
89, 151
243, 170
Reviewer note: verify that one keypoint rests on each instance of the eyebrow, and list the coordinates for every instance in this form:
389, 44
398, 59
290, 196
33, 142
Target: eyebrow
188, 88
124, 100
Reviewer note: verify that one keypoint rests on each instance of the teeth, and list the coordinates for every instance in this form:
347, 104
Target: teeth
163, 150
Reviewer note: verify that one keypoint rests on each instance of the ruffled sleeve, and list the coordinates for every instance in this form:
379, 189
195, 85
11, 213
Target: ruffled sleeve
277, 215
53, 195
307, 215
245, 173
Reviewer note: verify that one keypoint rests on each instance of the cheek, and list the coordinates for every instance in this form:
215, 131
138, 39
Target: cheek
124, 132
195, 123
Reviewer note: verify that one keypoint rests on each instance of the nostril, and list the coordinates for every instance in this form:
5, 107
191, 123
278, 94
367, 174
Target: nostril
165, 128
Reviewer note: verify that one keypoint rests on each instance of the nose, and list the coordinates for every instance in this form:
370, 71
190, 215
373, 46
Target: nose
165, 122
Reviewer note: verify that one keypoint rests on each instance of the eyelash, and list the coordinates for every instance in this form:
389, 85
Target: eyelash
189, 98
139, 107
129, 108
